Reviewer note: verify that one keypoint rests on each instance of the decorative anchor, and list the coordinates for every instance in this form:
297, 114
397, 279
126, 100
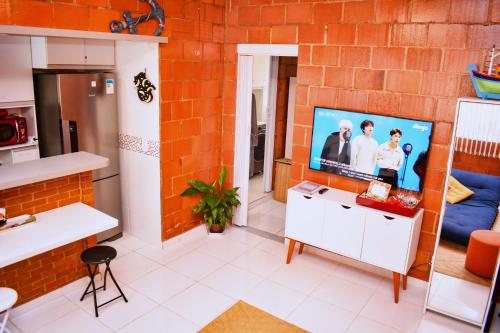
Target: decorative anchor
131, 22
144, 87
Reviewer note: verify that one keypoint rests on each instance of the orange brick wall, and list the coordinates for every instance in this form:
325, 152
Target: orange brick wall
394, 57
480, 164
48, 271
192, 75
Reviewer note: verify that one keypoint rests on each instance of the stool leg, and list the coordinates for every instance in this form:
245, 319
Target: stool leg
116, 284
105, 273
4, 322
90, 282
93, 287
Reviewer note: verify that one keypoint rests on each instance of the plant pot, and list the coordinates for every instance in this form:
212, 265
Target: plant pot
216, 229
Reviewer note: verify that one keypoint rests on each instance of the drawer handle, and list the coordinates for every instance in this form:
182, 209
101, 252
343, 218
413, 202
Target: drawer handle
305, 196
389, 217
346, 207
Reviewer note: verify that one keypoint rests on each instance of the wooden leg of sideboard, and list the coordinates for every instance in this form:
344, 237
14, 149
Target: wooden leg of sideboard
405, 281
291, 246
301, 248
395, 280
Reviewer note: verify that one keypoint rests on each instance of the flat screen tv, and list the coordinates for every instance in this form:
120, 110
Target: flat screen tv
366, 146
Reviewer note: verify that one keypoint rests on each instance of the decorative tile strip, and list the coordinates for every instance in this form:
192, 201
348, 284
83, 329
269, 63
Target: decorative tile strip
134, 143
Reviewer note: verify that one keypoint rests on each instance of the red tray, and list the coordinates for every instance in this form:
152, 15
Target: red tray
410, 212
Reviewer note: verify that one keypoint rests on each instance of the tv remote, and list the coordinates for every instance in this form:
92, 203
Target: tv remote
323, 190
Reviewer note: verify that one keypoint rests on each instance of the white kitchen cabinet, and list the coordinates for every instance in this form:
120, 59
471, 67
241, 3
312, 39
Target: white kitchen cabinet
60, 52
16, 79
341, 226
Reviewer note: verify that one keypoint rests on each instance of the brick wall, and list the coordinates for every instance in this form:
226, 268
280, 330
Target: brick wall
192, 75
393, 57
480, 164
45, 272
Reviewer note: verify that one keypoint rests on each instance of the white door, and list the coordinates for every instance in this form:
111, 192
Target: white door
270, 124
242, 135
343, 229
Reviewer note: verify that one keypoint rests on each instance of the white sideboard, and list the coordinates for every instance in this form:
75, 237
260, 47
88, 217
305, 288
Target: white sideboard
333, 221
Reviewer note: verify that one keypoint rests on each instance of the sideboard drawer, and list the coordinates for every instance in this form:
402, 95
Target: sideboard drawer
385, 241
304, 218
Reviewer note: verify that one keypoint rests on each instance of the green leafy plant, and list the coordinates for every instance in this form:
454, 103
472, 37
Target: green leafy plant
216, 203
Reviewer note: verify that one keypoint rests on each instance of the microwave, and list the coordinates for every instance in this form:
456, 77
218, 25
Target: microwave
13, 130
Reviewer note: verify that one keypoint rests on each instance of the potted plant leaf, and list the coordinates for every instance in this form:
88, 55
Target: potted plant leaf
216, 202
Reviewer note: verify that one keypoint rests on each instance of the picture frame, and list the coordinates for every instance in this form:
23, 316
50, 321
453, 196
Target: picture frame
378, 190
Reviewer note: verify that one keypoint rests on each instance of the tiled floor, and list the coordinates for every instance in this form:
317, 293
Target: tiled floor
195, 277
256, 188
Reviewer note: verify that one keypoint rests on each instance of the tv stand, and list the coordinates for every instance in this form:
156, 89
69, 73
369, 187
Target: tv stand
332, 221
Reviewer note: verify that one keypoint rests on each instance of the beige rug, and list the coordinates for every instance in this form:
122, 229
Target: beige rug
244, 318
450, 260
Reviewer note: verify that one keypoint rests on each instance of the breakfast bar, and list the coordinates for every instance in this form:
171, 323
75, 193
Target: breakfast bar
39, 257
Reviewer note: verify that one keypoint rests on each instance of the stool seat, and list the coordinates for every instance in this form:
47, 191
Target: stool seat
482, 252
8, 298
98, 255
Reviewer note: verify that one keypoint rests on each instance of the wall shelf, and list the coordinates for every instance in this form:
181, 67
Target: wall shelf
50, 32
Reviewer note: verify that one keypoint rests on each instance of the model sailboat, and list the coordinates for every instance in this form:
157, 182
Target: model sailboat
487, 84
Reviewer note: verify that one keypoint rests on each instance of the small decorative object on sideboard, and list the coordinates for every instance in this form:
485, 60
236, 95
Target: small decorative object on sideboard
132, 22
401, 202
487, 82
3, 217
216, 203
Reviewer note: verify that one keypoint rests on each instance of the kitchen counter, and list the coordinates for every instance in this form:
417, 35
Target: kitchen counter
52, 229
12, 175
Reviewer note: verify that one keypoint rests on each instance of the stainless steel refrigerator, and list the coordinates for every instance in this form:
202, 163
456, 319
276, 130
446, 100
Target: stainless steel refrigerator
78, 112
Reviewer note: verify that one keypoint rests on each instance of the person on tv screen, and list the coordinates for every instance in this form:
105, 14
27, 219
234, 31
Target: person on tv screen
390, 158
337, 148
364, 149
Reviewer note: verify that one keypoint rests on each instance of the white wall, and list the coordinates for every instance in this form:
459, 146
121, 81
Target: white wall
260, 81
139, 128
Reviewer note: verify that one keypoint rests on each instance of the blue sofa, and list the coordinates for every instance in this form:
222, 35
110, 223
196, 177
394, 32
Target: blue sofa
477, 212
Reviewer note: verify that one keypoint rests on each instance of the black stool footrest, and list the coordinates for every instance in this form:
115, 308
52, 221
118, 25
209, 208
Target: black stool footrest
111, 300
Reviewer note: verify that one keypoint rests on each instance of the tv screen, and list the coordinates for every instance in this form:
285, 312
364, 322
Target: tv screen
366, 146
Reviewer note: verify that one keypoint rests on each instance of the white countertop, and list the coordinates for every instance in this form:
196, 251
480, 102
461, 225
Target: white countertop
12, 175
52, 229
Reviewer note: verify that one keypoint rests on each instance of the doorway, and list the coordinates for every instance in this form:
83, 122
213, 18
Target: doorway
257, 122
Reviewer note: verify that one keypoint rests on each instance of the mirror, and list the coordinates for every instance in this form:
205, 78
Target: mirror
465, 262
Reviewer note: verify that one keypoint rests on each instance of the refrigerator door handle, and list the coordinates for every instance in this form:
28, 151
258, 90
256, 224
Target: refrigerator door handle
70, 136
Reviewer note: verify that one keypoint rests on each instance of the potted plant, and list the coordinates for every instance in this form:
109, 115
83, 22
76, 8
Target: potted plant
216, 203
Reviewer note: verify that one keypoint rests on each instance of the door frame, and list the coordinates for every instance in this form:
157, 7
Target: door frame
243, 116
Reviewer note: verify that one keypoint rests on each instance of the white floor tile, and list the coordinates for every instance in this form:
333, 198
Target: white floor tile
344, 294
130, 242
160, 320
131, 267
365, 325
266, 222
314, 260
239, 234
298, 277
161, 284
121, 250
404, 315
433, 322
35, 304
274, 247
232, 281
274, 298
119, 313
200, 304
259, 262
44, 314
157, 254
279, 211
196, 265
358, 276
223, 248
414, 293
79, 285
317, 316
75, 322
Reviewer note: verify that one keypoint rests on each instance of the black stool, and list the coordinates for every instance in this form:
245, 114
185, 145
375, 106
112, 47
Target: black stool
94, 256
